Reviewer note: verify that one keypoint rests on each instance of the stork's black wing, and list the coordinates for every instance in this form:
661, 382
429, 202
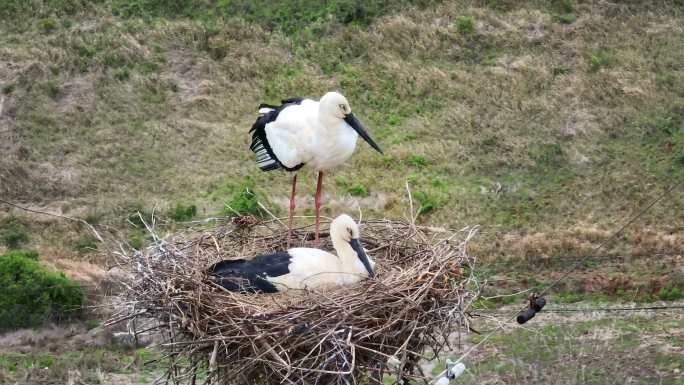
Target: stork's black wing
249, 276
265, 156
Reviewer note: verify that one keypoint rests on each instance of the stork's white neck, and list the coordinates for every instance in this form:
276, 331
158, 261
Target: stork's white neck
345, 253
327, 117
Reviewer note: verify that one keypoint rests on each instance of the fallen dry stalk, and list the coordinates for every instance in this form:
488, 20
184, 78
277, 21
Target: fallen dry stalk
423, 288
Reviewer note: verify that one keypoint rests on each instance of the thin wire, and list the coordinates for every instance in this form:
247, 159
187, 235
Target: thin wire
592, 309
577, 264
613, 236
627, 309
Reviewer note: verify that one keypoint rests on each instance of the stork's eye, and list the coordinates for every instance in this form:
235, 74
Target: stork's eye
343, 107
351, 233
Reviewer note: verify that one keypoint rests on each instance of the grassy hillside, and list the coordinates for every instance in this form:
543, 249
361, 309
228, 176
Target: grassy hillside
539, 115
545, 122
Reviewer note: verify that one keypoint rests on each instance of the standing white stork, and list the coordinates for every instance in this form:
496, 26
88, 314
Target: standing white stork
300, 268
320, 135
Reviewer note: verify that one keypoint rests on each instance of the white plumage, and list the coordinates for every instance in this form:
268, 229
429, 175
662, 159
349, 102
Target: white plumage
303, 132
301, 268
313, 133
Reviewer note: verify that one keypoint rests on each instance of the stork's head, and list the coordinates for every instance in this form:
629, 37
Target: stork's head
344, 229
336, 105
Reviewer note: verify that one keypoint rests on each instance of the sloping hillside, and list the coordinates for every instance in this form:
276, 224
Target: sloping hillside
545, 122
518, 115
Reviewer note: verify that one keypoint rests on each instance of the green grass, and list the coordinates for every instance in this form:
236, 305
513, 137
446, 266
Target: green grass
7, 88
557, 352
167, 75
567, 18
600, 59
465, 24
183, 212
491, 111
484, 125
358, 190
91, 363
86, 244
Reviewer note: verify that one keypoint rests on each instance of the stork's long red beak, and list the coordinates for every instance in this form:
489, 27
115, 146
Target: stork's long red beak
358, 127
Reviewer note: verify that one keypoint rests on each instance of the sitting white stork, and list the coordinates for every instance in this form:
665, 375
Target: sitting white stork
320, 135
300, 268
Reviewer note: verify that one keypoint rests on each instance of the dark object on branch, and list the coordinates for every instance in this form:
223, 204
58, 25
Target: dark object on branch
536, 305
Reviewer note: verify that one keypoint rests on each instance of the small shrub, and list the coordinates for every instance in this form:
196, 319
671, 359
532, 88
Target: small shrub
358, 190
438, 183
12, 233
47, 25
567, 6
91, 324
31, 295
52, 88
341, 181
182, 212
548, 156
86, 244
427, 203
33, 255
418, 161
560, 71
86, 51
242, 202
465, 24
140, 215
136, 241
600, 60
8, 88
566, 18
94, 217
153, 95
394, 119
670, 293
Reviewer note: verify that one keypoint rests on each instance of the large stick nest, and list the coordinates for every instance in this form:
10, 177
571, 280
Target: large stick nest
347, 334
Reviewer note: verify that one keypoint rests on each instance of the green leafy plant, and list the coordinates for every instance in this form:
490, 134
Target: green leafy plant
599, 60
12, 233
243, 202
8, 88
139, 215
86, 244
358, 190
31, 295
122, 74
418, 161
566, 18
28, 254
670, 293
427, 202
136, 240
465, 24
47, 25
52, 88
183, 212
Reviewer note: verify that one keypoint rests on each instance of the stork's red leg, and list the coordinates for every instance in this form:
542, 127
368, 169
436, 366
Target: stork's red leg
317, 201
292, 208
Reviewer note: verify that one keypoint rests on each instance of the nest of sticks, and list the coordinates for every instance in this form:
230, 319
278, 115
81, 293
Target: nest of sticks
417, 303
